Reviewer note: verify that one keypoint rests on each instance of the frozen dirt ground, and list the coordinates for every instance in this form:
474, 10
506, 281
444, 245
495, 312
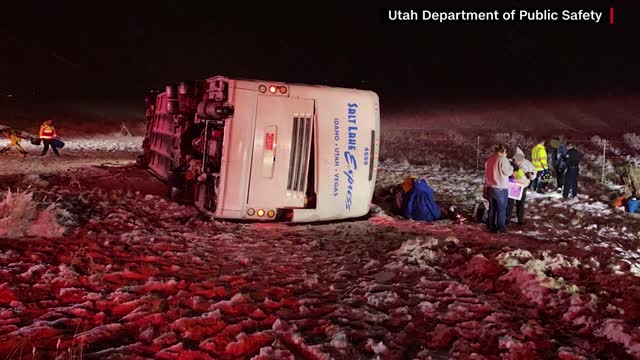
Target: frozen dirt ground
77, 152
136, 276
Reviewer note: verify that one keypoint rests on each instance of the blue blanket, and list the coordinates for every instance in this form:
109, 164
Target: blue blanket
420, 203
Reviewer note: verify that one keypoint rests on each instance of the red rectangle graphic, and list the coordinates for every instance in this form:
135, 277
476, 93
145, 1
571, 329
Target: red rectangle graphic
611, 16
268, 142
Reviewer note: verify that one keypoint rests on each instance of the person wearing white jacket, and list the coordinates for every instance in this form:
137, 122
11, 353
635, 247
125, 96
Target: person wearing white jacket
525, 172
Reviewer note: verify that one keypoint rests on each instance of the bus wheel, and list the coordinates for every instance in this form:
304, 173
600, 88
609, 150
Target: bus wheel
141, 162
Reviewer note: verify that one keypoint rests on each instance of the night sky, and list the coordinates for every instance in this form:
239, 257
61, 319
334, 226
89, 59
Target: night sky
108, 50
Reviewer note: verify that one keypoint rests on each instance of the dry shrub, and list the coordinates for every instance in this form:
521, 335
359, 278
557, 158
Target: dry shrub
20, 216
632, 140
458, 139
515, 140
45, 224
17, 210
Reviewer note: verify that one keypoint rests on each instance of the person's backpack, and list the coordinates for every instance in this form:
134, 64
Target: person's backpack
420, 203
57, 143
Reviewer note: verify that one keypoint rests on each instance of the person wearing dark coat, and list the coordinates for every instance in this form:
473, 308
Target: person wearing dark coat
572, 160
558, 152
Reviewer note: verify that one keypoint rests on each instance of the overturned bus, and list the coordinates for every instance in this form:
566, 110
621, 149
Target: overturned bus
265, 150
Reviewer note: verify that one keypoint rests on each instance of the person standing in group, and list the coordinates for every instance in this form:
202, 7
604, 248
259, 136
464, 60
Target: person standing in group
539, 161
497, 172
47, 135
559, 150
524, 174
572, 159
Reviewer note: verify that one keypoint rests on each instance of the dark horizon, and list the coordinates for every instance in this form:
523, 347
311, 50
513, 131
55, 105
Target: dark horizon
120, 52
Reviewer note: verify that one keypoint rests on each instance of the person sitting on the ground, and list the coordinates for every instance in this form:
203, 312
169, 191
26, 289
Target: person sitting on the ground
419, 202
400, 192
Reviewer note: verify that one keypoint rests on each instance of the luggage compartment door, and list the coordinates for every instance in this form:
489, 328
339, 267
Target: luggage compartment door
281, 149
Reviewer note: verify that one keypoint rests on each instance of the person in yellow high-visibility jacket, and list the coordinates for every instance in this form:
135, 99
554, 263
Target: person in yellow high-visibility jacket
539, 161
14, 141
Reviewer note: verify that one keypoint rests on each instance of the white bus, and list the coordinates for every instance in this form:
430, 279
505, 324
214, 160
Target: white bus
266, 150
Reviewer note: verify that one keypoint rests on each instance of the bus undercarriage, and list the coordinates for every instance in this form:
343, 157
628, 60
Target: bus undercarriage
185, 134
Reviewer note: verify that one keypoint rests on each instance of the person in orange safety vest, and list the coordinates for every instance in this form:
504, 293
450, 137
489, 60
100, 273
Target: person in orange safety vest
47, 135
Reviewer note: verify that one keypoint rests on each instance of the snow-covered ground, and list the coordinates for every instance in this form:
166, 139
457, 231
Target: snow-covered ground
105, 143
77, 152
99, 142
136, 276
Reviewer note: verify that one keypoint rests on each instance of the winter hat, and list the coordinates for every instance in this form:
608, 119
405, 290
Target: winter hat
408, 183
519, 156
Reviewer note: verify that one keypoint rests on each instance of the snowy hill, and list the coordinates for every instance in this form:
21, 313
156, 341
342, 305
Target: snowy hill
577, 115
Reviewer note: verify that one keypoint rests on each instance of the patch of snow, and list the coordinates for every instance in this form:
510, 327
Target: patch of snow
104, 143
538, 268
597, 208
382, 298
512, 258
419, 252
614, 330
377, 348
339, 341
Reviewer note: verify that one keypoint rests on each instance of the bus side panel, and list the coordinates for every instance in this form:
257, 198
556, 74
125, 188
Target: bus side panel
348, 138
236, 156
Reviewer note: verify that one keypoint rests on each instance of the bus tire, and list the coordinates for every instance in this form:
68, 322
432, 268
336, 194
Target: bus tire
141, 162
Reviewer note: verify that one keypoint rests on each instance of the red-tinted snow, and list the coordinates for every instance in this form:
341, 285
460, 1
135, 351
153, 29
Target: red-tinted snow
140, 277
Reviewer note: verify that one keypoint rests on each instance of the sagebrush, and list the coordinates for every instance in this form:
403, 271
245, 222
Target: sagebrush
20, 215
